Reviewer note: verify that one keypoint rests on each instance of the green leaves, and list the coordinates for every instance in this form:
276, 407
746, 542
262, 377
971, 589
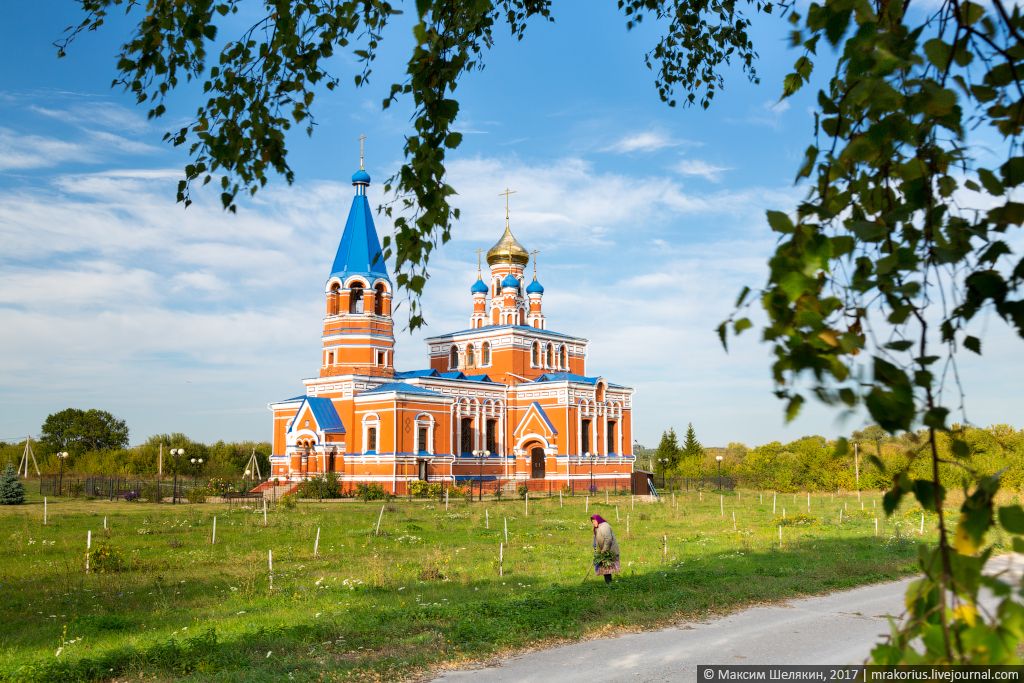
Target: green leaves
780, 222
1011, 518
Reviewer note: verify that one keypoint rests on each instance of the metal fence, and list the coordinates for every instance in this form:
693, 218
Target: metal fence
131, 488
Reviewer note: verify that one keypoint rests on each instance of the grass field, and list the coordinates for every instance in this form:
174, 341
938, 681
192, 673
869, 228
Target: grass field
161, 602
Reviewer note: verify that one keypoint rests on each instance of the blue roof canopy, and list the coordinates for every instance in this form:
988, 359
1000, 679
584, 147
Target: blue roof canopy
324, 413
565, 377
401, 388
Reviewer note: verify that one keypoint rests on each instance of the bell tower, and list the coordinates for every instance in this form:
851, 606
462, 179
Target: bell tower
507, 260
358, 331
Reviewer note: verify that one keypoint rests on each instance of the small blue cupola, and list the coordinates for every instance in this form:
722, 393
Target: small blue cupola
478, 287
359, 252
510, 281
535, 287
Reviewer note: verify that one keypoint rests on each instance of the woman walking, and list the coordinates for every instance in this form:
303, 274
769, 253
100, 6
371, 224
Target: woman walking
606, 548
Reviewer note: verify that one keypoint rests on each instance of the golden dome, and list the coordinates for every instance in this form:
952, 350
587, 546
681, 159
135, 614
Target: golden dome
508, 249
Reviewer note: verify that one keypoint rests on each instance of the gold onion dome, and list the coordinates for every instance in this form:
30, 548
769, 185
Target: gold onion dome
508, 249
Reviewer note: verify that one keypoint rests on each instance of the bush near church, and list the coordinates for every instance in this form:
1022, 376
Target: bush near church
12, 492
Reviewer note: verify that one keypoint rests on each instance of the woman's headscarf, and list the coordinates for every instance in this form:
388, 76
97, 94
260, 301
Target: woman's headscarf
598, 518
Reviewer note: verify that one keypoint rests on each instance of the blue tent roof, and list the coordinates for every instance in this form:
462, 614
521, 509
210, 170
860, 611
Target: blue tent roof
324, 413
478, 287
406, 374
478, 378
452, 374
401, 388
565, 377
359, 252
535, 287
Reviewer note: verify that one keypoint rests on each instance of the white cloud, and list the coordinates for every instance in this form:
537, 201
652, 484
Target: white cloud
700, 168
645, 141
19, 151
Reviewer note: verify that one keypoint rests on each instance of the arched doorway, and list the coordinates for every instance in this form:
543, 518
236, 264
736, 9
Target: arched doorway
536, 462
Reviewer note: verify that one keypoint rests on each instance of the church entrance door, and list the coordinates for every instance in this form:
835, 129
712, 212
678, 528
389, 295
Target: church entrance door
537, 463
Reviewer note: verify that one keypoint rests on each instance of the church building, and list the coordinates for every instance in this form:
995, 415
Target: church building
506, 401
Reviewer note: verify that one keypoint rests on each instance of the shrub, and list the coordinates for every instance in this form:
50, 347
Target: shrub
323, 486
218, 486
288, 501
131, 496
150, 492
105, 558
523, 490
799, 520
423, 489
197, 495
371, 492
12, 492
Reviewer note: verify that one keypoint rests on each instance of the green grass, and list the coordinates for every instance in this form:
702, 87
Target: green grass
423, 594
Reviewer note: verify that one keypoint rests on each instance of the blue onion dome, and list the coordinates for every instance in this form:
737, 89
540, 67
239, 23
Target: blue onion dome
360, 177
478, 287
510, 281
535, 287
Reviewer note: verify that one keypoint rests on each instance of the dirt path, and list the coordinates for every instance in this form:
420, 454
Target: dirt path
840, 628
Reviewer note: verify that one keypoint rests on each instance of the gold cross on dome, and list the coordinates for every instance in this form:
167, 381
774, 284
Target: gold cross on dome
362, 151
534, 255
478, 252
506, 194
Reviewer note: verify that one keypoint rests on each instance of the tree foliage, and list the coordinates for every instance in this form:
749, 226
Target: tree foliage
12, 491
666, 455
78, 431
902, 241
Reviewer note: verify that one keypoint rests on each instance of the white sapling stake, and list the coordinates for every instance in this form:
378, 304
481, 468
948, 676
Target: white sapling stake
734, 520
664, 552
316, 544
872, 504
559, 497
783, 512
44, 510
104, 522
213, 538
774, 496
501, 559
862, 506
840, 515
721, 504
526, 500
700, 496
446, 500
587, 508
506, 528
920, 531
627, 525
632, 502
379, 517
616, 513
264, 512
808, 502
270, 568
88, 546
876, 526
487, 519
780, 536
760, 497
673, 500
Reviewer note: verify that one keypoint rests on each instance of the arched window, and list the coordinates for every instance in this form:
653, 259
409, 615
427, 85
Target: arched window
355, 298
333, 299
453, 358
550, 360
424, 434
535, 355
378, 301
470, 355
599, 391
371, 427
485, 354
563, 359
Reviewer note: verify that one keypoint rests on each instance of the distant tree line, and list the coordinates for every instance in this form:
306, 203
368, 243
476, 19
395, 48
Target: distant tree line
97, 443
814, 463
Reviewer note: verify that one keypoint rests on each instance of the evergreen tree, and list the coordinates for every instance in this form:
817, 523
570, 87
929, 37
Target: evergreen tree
667, 454
692, 450
11, 490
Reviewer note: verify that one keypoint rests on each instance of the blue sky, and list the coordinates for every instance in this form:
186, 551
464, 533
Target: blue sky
649, 221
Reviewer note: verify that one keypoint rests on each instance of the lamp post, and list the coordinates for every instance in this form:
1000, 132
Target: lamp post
197, 463
61, 457
482, 455
176, 453
590, 456
719, 459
